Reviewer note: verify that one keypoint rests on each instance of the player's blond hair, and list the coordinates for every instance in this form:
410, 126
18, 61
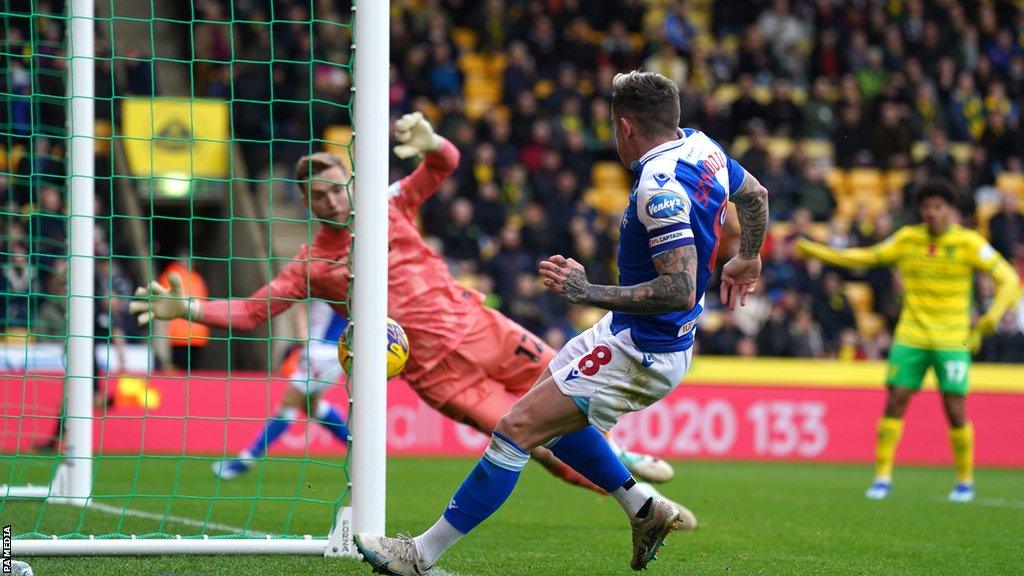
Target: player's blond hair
649, 100
307, 167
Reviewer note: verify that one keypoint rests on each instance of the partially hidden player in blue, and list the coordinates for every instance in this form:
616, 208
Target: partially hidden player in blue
640, 350
318, 369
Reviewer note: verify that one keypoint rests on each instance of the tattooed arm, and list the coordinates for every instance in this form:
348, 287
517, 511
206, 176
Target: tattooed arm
751, 200
673, 290
740, 274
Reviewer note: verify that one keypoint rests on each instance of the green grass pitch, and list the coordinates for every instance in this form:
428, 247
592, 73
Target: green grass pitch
757, 518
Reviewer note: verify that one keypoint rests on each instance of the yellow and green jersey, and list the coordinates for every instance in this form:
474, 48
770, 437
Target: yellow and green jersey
938, 277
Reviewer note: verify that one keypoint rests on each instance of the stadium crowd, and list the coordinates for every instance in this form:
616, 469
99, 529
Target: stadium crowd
918, 88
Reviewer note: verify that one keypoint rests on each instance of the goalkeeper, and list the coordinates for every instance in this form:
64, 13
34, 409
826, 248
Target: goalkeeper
936, 260
468, 361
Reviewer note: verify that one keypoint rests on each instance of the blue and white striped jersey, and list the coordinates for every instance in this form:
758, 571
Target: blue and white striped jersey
679, 198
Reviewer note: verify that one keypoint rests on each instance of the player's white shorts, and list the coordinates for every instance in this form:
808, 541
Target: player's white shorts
318, 368
606, 376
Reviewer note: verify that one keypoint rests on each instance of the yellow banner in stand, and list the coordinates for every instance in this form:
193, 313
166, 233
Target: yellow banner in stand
176, 138
794, 373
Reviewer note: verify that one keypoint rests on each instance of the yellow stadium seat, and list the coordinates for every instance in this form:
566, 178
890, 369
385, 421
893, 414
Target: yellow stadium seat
637, 41
762, 94
780, 230
608, 175
653, 20
869, 324
3, 158
17, 336
1012, 182
799, 96
836, 181
919, 151
819, 149
103, 131
780, 147
865, 181
730, 44
960, 151
610, 201
727, 93
711, 321
819, 231
543, 88
14, 156
860, 295
338, 140
896, 179
739, 145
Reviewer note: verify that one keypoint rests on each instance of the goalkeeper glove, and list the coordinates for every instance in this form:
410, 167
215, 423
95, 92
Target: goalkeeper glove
415, 136
163, 304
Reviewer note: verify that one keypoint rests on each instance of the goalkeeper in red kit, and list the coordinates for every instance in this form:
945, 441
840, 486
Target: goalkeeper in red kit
467, 361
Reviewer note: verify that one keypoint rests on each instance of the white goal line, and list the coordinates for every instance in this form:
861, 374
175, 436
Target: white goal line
107, 508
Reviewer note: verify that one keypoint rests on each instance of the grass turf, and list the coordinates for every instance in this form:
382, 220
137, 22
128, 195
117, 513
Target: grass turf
757, 518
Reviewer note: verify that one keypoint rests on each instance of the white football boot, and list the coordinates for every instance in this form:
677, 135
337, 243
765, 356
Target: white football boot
962, 492
394, 556
649, 532
879, 489
230, 469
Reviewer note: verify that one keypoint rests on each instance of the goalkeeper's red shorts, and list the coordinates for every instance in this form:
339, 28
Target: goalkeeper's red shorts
496, 363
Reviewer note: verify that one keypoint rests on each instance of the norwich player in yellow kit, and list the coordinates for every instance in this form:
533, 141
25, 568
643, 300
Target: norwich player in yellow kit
937, 260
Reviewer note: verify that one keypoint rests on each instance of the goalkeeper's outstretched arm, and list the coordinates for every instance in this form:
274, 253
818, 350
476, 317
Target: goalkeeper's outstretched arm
158, 303
417, 139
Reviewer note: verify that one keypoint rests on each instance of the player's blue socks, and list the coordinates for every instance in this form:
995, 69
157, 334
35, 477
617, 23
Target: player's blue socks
488, 485
587, 452
273, 430
329, 417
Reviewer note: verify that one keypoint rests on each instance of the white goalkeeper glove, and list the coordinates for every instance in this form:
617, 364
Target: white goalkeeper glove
415, 136
163, 304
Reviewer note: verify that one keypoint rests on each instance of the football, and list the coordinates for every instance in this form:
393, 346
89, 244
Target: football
397, 351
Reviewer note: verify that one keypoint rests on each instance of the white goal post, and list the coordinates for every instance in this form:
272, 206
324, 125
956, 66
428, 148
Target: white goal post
73, 481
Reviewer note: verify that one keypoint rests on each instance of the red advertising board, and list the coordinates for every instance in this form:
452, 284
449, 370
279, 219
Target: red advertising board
215, 413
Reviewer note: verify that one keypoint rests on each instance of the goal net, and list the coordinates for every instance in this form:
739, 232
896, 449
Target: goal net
139, 139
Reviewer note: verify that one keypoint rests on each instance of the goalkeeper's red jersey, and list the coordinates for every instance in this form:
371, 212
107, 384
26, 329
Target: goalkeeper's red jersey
434, 309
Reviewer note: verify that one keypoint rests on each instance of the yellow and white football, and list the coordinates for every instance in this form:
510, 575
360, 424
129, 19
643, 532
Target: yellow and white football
398, 349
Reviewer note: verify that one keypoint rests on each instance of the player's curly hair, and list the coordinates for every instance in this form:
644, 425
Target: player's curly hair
937, 188
649, 100
310, 165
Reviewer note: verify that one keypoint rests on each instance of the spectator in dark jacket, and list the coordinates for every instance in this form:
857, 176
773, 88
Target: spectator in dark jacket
1006, 228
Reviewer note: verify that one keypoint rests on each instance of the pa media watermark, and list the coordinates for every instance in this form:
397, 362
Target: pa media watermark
7, 564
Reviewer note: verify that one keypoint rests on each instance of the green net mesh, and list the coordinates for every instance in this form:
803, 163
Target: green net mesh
201, 111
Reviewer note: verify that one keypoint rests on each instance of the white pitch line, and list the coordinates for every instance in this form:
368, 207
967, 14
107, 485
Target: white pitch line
990, 502
100, 507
